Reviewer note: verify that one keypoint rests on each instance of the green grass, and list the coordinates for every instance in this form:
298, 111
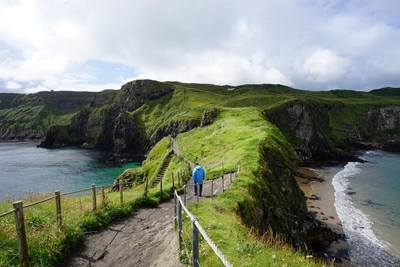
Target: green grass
236, 135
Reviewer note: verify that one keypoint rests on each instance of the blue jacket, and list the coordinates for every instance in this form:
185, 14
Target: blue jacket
198, 174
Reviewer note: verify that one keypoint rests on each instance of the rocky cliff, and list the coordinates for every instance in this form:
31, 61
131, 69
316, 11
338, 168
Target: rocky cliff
107, 122
309, 128
281, 205
30, 116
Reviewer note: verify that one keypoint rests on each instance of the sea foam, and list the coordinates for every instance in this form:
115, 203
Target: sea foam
365, 249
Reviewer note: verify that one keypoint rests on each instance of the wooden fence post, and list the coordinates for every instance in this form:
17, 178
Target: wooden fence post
146, 187
94, 197
58, 209
195, 244
180, 240
184, 194
212, 188
161, 178
103, 195
223, 183
121, 194
21, 234
173, 182
175, 203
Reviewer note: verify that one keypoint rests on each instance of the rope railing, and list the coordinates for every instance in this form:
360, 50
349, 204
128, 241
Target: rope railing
197, 227
6, 213
74, 192
18, 211
38, 202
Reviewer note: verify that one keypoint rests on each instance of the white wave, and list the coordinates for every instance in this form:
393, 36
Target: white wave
365, 249
375, 153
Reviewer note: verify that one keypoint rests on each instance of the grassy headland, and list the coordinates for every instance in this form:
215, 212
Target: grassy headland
234, 220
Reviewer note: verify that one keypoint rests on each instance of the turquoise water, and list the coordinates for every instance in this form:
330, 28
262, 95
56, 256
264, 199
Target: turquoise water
367, 200
24, 169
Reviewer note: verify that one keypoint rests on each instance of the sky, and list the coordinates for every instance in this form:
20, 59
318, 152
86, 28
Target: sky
92, 45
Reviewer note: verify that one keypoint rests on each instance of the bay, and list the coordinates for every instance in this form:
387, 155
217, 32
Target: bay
367, 200
26, 169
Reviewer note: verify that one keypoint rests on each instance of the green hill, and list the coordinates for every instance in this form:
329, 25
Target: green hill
271, 129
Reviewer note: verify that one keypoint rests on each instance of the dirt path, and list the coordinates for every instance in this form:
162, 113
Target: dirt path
147, 238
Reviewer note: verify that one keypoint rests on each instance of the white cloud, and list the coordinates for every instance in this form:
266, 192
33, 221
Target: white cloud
307, 44
324, 66
12, 85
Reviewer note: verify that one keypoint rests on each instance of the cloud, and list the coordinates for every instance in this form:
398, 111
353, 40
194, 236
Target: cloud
324, 66
307, 44
12, 85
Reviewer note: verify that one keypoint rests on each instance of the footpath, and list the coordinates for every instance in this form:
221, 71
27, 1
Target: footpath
146, 238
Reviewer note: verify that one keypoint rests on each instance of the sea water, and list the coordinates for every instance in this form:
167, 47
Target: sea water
26, 169
367, 200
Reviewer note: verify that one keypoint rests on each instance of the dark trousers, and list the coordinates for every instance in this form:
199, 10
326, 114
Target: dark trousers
200, 188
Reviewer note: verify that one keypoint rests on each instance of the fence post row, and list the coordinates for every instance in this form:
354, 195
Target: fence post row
20, 223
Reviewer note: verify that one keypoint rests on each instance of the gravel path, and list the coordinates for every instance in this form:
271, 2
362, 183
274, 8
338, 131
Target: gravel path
146, 238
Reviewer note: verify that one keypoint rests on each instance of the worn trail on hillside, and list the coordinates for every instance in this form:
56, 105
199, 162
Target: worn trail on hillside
146, 238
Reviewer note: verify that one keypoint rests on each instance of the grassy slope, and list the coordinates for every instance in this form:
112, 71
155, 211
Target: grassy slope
234, 136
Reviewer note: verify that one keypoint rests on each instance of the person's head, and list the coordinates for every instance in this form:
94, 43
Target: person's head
196, 164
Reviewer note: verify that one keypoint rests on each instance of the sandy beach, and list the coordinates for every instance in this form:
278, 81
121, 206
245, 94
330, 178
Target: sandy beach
321, 201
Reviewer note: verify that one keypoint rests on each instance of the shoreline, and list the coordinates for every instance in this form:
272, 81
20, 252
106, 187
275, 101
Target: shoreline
317, 187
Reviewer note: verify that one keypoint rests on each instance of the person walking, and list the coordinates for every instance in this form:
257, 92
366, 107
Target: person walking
198, 177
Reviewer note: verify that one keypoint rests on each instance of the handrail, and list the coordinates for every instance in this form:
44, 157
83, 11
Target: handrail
6, 213
41, 201
194, 220
78, 191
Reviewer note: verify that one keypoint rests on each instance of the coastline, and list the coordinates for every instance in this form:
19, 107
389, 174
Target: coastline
317, 187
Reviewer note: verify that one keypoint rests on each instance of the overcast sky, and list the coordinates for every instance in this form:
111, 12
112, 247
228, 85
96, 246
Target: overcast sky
92, 45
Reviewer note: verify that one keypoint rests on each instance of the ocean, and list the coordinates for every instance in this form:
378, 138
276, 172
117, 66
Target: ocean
26, 169
367, 200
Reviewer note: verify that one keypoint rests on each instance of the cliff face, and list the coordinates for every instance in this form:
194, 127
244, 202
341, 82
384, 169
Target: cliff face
282, 204
309, 129
384, 119
107, 120
30, 116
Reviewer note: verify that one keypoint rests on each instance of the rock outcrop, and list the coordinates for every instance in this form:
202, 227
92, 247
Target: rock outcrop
306, 126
